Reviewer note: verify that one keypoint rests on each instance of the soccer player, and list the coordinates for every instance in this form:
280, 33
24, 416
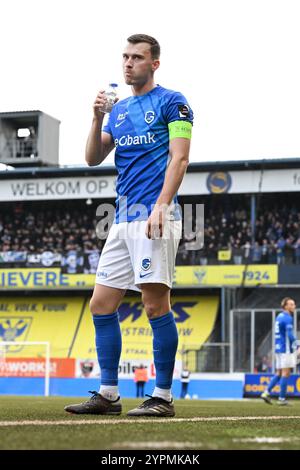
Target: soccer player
285, 346
151, 133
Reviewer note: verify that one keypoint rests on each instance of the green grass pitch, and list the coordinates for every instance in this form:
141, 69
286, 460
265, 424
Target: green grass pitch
41, 423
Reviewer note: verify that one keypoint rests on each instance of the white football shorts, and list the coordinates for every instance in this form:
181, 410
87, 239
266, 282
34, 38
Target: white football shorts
285, 360
130, 259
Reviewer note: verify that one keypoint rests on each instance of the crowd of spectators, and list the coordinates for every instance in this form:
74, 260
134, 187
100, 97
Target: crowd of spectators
57, 229
47, 234
67, 231
275, 239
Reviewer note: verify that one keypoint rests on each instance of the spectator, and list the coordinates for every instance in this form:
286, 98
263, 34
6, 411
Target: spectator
140, 378
247, 251
297, 251
264, 251
264, 365
185, 380
272, 253
256, 253
237, 253
280, 247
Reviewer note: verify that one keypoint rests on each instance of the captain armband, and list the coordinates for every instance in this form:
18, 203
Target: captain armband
180, 129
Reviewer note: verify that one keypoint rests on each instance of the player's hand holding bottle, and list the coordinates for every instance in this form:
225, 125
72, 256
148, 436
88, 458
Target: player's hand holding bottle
105, 101
100, 104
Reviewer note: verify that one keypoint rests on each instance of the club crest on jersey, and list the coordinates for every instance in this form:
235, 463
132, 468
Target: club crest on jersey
149, 117
146, 263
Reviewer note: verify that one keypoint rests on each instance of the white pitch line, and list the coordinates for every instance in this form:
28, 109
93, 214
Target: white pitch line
80, 422
267, 440
157, 445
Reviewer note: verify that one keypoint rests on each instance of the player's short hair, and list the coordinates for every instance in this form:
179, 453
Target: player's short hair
154, 45
285, 301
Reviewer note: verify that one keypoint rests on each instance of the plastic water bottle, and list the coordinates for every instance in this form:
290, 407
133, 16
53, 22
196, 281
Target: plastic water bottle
111, 95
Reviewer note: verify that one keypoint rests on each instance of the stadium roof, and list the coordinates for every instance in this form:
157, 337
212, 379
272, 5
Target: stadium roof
24, 113
194, 167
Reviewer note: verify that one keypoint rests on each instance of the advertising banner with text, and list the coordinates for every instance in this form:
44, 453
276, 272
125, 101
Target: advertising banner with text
224, 275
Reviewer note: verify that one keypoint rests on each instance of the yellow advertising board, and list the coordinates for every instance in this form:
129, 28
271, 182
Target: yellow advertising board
221, 275
194, 315
52, 319
66, 323
226, 275
43, 278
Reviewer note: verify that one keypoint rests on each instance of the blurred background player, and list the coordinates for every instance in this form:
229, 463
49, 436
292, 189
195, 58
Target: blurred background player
151, 133
285, 351
185, 380
140, 378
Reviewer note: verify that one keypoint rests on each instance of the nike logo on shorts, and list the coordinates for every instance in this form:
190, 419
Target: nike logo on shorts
144, 275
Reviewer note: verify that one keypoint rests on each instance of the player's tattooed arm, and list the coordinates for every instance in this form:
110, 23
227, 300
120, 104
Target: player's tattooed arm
179, 152
99, 144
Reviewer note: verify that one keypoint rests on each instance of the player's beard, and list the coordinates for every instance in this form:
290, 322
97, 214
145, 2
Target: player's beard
134, 80
129, 80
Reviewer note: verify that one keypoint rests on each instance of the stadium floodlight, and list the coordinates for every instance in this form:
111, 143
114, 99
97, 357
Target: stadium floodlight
4, 345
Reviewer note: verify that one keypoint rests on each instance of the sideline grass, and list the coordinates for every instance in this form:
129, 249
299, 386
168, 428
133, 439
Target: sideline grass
270, 433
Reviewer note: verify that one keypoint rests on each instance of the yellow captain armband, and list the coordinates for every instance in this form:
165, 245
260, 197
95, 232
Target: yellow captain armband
180, 129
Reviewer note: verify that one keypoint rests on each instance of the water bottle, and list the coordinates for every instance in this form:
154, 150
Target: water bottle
111, 95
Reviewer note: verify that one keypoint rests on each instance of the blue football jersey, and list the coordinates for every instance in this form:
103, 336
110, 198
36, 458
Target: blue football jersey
284, 337
140, 127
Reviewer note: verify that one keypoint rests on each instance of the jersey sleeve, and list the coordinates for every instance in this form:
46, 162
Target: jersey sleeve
108, 126
179, 116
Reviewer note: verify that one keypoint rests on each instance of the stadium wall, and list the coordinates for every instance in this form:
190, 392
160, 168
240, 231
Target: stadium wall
202, 386
209, 386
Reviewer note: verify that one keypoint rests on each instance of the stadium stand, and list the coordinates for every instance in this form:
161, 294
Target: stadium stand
68, 231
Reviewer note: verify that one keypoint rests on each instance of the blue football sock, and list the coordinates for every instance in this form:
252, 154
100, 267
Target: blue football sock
165, 342
283, 387
273, 382
108, 345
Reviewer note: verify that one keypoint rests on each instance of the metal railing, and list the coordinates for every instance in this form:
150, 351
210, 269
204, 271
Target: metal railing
251, 338
210, 357
15, 148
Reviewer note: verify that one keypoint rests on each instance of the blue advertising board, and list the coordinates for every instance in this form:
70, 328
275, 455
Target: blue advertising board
255, 384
